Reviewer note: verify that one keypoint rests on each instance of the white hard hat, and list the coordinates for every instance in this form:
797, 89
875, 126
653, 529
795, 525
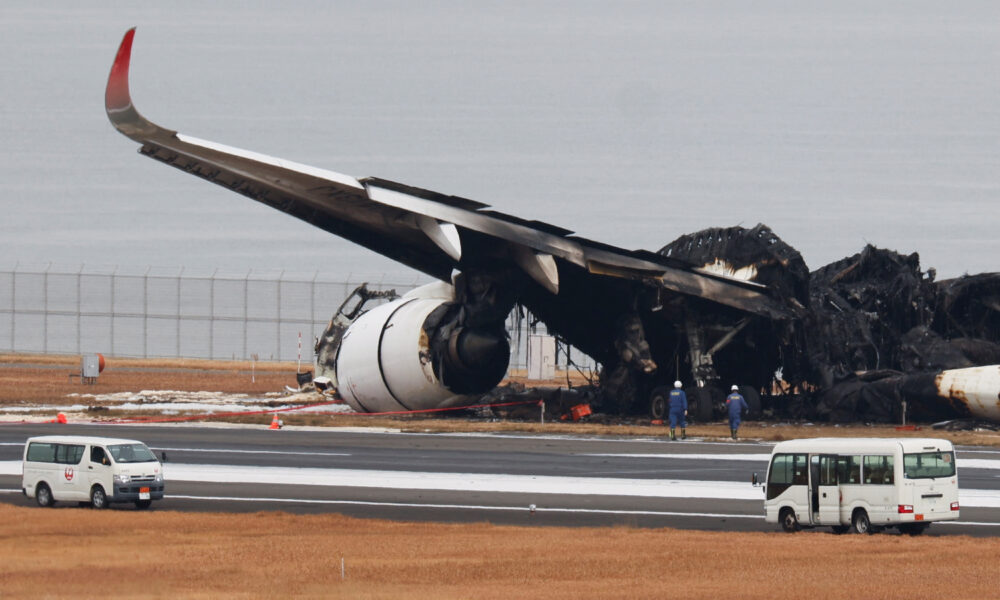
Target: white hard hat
734, 388
678, 384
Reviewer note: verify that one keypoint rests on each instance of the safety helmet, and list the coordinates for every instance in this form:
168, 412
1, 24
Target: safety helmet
678, 384
734, 388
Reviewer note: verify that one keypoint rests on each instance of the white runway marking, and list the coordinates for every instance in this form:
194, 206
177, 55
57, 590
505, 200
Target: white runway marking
468, 507
225, 450
229, 451
465, 482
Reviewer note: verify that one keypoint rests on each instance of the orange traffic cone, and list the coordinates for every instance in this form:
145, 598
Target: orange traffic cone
275, 423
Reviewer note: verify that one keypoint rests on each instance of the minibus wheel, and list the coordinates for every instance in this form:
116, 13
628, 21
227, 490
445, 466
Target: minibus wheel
861, 523
789, 522
43, 496
98, 499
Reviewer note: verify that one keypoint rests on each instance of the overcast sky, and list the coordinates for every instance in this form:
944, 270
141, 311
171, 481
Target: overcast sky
631, 123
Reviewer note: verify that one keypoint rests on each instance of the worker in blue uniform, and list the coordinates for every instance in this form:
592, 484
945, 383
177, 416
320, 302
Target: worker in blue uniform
737, 405
678, 411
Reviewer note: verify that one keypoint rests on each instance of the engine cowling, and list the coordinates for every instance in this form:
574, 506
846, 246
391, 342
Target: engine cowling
388, 361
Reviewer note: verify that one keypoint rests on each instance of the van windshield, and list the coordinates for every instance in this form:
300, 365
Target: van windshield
926, 465
131, 453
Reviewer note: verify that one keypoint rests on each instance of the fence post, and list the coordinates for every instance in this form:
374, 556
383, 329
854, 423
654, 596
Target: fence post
79, 309
277, 325
145, 313
178, 340
45, 309
246, 285
312, 318
111, 310
211, 315
13, 306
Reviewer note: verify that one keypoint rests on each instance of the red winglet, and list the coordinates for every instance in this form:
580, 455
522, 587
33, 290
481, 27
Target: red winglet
116, 96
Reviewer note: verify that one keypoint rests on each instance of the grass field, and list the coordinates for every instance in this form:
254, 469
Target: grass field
76, 552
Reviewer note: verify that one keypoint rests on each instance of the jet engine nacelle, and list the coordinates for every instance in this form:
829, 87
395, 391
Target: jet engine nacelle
388, 362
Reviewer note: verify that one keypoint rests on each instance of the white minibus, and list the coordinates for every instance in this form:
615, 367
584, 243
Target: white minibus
863, 484
90, 470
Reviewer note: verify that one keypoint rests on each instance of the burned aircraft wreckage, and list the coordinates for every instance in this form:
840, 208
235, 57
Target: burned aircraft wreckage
852, 340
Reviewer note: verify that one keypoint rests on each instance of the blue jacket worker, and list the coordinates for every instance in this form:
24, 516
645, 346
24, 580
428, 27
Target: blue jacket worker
678, 410
737, 404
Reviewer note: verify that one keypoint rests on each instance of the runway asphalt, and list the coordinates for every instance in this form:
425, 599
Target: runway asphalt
571, 481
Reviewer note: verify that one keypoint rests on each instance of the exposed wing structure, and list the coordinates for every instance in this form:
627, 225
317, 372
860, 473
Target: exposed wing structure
431, 232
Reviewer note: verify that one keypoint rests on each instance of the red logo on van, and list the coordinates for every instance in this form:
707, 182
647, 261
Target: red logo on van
68, 473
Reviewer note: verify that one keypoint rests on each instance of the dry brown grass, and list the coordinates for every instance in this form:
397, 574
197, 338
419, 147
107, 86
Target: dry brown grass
77, 552
40, 379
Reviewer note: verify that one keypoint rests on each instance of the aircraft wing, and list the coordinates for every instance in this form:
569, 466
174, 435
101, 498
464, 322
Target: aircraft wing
431, 232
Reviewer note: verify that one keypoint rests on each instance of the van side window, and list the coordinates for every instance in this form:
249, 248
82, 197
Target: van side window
39, 452
97, 455
69, 454
849, 469
879, 470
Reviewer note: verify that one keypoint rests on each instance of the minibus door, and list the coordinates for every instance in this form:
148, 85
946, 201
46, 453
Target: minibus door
828, 491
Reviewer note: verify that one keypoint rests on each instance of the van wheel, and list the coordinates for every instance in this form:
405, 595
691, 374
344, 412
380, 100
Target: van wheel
143, 504
789, 522
841, 529
98, 499
861, 523
43, 496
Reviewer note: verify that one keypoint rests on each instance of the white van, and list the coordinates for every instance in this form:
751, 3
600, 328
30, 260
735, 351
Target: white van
862, 483
92, 470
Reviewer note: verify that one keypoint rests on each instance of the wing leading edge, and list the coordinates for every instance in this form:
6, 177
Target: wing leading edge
419, 228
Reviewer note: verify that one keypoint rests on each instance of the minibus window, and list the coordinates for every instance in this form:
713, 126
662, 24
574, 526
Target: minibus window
69, 454
39, 452
827, 470
131, 453
787, 470
924, 465
878, 469
849, 469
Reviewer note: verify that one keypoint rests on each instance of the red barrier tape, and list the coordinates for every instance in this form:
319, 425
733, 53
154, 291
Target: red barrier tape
208, 416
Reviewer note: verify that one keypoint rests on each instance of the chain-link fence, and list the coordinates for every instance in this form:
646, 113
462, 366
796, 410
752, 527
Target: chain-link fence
157, 314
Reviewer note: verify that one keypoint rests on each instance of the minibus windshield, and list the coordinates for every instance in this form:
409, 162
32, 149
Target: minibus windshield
925, 465
131, 453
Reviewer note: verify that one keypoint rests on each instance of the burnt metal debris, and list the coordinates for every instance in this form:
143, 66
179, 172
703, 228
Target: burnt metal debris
875, 332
